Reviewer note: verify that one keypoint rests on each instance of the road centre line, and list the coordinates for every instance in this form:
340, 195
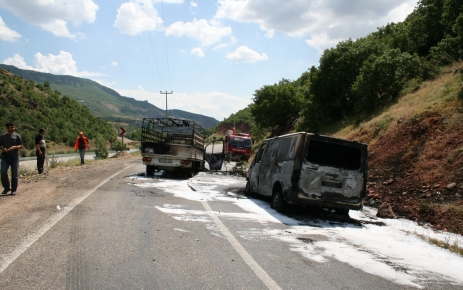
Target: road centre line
263, 276
31, 239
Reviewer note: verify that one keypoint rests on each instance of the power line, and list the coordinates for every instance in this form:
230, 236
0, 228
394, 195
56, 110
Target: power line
165, 42
152, 48
141, 44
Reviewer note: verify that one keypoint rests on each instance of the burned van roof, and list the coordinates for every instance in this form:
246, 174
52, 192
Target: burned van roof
320, 137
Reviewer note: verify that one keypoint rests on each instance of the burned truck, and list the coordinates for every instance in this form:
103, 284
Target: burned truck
172, 144
310, 169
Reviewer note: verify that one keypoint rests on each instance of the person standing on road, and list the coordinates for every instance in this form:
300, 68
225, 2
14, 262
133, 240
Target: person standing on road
81, 145
10, 144
40, 150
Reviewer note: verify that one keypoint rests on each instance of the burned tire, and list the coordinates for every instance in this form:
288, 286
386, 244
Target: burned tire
342, 212
247, 189
190, 172
150, 170
278, 203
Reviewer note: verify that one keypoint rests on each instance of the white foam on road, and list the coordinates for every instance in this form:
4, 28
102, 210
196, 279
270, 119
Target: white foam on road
394, 251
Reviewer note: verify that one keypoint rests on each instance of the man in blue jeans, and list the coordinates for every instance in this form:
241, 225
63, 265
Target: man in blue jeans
81, 145
10, 144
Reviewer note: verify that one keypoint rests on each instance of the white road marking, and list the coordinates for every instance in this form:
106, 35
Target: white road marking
31, 239
263, 276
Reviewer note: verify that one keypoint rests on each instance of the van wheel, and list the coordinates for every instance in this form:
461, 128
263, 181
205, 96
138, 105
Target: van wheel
150, 170
342, 212
278, 203
247, 189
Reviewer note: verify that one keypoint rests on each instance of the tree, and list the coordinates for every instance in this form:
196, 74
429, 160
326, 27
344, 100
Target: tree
330, 96
276, 105
425, 26
382, 78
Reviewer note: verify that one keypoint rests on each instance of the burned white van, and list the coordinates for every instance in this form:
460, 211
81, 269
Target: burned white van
310, 169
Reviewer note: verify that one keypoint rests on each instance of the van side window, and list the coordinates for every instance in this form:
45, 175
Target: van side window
270, 152
292, 148
284, 149
261, 152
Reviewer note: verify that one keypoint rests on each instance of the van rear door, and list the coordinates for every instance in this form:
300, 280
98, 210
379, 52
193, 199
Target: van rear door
334, 171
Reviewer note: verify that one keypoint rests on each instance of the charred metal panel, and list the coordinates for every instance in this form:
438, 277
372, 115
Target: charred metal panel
214, 154
329, 183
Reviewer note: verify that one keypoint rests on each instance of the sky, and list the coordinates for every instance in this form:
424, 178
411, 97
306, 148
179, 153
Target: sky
394, 249
211, 54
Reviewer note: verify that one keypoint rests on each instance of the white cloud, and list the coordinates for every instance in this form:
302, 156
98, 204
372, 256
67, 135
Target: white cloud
220, 46
193, 4
197, 51
322, 41
137, 16
7, 34
53, 16
245, 54
214, 104
324, 22
61, 64
17, 61
207, 32
270, 33
113, 64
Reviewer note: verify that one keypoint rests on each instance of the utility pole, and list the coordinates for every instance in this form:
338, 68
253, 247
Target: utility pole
166, 100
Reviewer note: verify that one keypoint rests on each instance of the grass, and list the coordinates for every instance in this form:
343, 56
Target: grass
452, 247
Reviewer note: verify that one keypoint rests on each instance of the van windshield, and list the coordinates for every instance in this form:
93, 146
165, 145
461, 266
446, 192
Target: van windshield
240, 142
333, 154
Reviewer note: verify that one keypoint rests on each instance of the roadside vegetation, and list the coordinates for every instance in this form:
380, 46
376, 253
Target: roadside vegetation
33, 106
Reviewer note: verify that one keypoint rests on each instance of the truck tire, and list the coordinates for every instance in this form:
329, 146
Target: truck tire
190, 172
150, 170
278, 203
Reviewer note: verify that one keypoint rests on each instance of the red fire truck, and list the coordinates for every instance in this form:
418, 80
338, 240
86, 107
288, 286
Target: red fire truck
238, 144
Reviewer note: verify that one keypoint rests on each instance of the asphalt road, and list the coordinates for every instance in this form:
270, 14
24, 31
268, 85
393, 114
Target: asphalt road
129, 231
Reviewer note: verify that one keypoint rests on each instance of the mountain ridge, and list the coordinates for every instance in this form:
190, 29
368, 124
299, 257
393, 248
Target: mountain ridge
105, 102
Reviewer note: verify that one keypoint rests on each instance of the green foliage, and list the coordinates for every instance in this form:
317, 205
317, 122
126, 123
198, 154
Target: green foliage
330, 95
135, 135
117, 146
101, 148
450, 49
37, 107
54, 161
276, 105
381, 79
460, 95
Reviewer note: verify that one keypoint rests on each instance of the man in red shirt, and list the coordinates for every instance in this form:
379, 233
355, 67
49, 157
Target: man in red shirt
81, 145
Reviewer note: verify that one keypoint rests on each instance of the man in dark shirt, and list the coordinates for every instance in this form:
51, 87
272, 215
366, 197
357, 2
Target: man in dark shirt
10, 144
40, 150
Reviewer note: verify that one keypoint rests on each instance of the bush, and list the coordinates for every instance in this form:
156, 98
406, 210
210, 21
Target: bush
460, 95
54, 162
24, 153
101, 148
118, 147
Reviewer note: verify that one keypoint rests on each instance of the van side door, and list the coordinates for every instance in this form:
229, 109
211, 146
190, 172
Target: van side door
255, 168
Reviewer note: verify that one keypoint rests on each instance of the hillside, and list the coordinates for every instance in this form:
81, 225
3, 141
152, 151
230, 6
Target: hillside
416, 153
105, 102
32, 106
